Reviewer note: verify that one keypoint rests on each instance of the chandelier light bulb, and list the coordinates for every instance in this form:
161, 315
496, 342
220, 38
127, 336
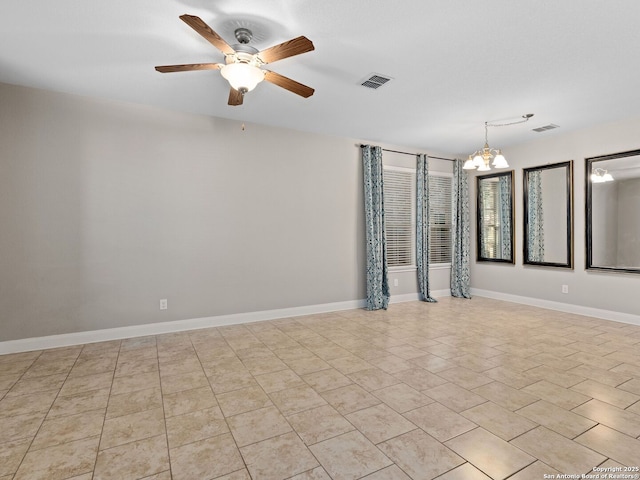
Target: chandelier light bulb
468, 164
600, 175
499, 161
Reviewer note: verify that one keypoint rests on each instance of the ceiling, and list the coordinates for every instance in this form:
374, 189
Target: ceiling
455, 63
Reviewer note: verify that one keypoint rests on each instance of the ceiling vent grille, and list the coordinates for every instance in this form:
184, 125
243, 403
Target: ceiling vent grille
375, 80
544, 128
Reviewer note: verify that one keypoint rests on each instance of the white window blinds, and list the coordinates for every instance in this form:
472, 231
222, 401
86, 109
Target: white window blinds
490, 219
439, 219
399, 215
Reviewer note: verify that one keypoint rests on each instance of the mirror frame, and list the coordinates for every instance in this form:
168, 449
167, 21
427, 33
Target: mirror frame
479, 178
589, 214
525, 215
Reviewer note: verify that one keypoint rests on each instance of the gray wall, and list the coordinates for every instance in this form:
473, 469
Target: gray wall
106, 207
608, 291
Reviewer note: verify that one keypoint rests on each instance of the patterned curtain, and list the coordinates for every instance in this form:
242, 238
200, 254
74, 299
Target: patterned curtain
422, 228
505, 218
460, 228
536, 224
377, 282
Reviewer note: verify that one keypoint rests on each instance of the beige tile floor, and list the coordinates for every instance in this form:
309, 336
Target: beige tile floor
461, 389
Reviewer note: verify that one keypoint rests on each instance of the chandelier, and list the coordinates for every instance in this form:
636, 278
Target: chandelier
484, 158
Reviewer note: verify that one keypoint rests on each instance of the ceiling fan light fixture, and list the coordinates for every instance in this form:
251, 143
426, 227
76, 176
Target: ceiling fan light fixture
243, 77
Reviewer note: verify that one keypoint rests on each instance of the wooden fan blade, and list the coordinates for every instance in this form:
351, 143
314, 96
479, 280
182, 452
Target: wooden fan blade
235, 97
287, 49
189, 67
205, 30
288, 84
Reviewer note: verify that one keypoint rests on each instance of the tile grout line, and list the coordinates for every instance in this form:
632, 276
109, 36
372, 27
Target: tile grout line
218, 403
164, 414
51, 406
95, 463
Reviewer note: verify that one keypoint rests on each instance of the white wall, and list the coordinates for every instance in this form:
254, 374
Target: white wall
106, 207
607, 291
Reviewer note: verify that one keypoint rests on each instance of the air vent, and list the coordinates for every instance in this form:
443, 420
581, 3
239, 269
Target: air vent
375, 80
544, 128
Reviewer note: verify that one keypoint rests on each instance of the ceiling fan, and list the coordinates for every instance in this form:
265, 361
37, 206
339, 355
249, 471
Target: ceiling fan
242, 67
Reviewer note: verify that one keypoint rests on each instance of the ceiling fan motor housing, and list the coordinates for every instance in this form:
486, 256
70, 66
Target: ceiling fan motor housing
243, 35
243, 53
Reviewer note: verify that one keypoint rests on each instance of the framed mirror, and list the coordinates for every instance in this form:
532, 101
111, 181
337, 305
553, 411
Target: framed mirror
612, 206
548, 215
494, 217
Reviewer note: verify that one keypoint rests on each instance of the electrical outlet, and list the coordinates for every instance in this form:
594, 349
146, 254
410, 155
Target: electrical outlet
395, 282
565, 288
163, 304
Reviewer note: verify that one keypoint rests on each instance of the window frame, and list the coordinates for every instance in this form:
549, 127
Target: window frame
443, 265
413, 266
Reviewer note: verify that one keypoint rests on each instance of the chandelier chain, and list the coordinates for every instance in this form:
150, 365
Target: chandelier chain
525, 118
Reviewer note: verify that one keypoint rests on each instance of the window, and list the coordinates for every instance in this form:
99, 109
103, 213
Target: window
440, 240
489, 219
400, 217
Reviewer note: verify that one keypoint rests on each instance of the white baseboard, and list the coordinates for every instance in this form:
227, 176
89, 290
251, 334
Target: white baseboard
78, 338
407, 297
414, 297
561, 307
441, 293
118, 333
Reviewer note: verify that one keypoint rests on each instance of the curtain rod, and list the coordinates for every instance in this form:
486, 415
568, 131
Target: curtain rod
414, 154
